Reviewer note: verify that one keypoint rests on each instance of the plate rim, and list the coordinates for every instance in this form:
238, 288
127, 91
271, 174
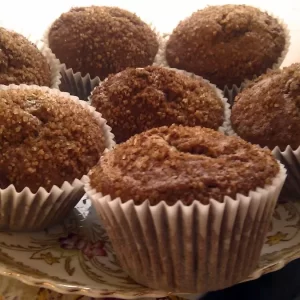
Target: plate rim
92, 292
73, 290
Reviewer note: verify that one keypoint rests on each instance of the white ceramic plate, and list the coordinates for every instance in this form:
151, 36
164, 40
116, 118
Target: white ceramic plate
77, 257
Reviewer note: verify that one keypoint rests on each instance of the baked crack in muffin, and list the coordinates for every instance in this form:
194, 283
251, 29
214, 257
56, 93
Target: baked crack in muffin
182, 163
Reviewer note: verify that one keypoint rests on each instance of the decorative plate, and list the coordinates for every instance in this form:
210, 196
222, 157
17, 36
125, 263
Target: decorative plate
77, 258
12, 289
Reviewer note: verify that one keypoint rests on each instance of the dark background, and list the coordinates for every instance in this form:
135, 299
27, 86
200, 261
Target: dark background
280, 285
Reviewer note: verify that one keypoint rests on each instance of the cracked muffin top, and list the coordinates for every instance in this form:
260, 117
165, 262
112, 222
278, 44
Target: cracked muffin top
102, 40
45, 139
267, 112
182, 163
136, 100
226, 44
21, 62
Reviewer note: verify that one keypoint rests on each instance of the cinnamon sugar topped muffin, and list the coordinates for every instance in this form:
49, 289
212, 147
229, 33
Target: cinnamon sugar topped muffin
226, 44
102, 40
182, 163
45, 139
21, 62
267, 112
136, 100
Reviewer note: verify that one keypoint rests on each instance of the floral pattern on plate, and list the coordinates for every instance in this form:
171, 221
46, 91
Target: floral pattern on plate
77, 258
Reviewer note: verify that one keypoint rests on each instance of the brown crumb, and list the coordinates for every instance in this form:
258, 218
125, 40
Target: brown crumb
21, 62
102, 40
267, 112
45, 139
136, 100
182, 163
226, 44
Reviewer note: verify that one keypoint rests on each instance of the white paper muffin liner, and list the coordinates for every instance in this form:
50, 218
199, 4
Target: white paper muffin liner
230, 92
291, 160
35, 211
226, 126
78, 84
189, 249
54, 64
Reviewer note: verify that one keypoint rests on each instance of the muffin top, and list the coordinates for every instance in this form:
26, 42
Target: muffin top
267, 112
21, 61
226, 44
102, 40
182, 163
45, 139
136, 100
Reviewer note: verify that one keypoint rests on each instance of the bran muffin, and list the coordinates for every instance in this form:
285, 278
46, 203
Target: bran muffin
102, 40
182, 163
45, 139
226, 44
21, 62
193, 205
267, 112
136, 100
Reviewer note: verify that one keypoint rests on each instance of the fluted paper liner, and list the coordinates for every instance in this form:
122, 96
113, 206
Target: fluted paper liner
226, 126
189, 249
55, 66
230, 92
35, 211
78, 84
291, 160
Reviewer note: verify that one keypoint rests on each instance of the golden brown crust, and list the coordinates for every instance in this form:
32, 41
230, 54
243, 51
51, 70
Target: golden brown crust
136, 100
21, 61
45, 139
182, 163
226, 44
268, 111
102, 40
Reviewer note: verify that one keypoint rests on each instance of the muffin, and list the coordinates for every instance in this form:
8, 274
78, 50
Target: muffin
21, 62
227, 44
102, 40
199, 203
136, 100
48, 141
267, 112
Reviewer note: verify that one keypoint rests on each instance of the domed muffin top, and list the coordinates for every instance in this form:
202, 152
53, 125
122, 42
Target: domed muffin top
182, 163
45, 139
267, 112
102, 40
136, 100
226, 44
21, 62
